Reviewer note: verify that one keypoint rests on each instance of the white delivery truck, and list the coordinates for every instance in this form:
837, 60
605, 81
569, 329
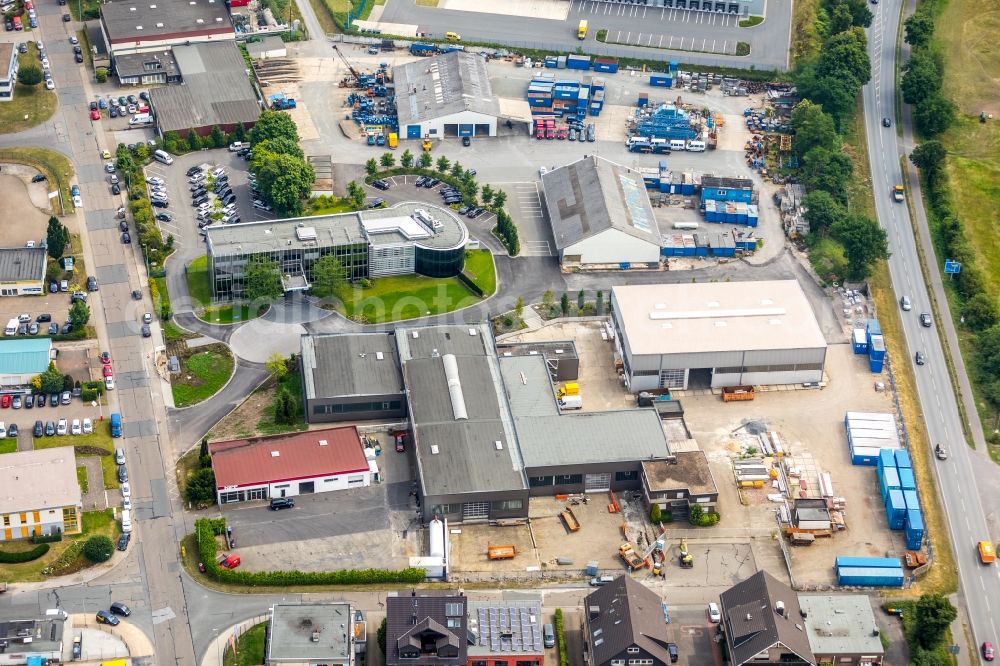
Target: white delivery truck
571, 402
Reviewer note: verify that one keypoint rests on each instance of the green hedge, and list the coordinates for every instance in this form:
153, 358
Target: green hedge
24, 556
49, 538
561, 638
206, 529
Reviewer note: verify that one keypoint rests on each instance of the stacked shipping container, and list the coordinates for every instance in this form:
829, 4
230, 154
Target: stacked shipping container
869, 571
868, 433
897, 484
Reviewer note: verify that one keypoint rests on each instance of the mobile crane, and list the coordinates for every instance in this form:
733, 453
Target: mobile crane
345, 83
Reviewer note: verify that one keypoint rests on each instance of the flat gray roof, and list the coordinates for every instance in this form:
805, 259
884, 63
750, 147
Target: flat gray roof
46, 634
294, 626
162, 18
21, 264
6, 51
430, 88
386, 226
840, 624
457, 410
549, 438
134, 64
216, 89
706, 317
593, 195
350, 364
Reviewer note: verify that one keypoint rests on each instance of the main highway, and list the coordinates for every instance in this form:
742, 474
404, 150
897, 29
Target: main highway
980, 585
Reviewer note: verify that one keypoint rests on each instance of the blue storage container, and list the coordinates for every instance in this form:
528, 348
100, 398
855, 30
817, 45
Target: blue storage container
859, 342
876, 347
661, 81
861, 577
687, 189
903, 458
673, 65
863, 457
700, 245
895, 509
873, 327
577, 62
867, 562
914, 532
907, 481
911, 499
875, 365
752, 215
709, 210
886, 458
888, 479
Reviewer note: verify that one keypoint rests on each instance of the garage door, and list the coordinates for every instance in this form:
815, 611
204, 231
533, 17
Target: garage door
465, 130
597, 483
413, 131
475, 510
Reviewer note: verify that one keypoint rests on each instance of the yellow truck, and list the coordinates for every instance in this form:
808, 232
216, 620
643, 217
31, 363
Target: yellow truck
898, 193
570, 388
986, 553
581, 30
629, 556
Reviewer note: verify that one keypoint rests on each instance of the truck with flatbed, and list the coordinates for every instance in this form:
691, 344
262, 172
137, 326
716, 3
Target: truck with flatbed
630, 557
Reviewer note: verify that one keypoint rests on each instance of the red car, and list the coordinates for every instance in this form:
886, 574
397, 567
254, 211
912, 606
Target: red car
988, 653
400, 438
106, 358
107, 371
229, 561
95, 114
5, 401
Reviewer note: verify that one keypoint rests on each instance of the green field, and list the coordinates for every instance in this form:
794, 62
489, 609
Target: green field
8, 445
480, 269
249, 648
398, 297
202, 374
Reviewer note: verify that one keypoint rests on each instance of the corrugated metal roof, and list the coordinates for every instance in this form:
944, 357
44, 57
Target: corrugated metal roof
21, 264
164, 17
25, 356
351, 364
447, 84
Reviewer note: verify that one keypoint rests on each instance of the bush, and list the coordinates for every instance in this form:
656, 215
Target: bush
29, 75
48, 538
561, 637
24, 556
101, 75
206, 529
655, 514
98, 548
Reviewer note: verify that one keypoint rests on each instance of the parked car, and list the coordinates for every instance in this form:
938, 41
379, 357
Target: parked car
50, 428
381, 184
713, 613
123, 540
146, 332
61, 427
118, 608
39, 429
88, 426
12, 431
278, 503
106, 617
76, 428
122, 474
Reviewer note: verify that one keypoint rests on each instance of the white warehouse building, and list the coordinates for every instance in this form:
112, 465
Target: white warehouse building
718, 334
450, 96
601, 215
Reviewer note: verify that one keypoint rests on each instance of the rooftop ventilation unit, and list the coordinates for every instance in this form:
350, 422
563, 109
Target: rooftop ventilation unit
323, 442
379, 356
305, 233
454, 387
434, 449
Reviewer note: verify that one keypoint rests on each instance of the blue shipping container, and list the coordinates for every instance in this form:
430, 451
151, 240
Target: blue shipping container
911, 499
886, 458
915, 520
661, 81
888, 479
903, 458
868, 562
870, 577
895, 509
907, 481
873, 327
876, 347
859, 343
875, 364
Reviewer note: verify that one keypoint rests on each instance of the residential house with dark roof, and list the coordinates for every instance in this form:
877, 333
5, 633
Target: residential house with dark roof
426, 628
625, 626
763, 623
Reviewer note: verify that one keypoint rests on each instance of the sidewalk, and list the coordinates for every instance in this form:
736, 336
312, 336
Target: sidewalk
217, 648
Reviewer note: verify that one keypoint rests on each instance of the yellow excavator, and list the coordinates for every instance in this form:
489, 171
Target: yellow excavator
686, 560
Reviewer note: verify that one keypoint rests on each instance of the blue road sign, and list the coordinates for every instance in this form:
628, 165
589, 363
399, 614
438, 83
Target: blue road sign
952, 267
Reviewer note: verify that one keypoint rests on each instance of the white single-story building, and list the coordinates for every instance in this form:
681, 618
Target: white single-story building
39, 494
22, 269
21, 360
315, 461
601, 215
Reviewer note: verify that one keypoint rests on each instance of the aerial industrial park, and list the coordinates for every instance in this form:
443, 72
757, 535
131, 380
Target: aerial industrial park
453, 332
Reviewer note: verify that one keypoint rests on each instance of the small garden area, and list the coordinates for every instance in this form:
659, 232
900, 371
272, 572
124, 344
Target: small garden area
399, 297
249, 648
201, 298
54, 556
204, 371
8, 445
481, 271
266, 411
99, 443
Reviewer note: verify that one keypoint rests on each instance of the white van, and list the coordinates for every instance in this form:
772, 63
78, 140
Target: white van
140, 119
163, 156
677, 144
126, 520
696, 146
11, 327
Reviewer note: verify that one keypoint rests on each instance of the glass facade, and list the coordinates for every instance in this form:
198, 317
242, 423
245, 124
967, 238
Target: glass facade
227, 270
440, 263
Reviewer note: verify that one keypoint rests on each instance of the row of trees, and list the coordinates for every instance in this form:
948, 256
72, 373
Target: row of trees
830, 84
923, 75
153, 245
173, 142
284, 178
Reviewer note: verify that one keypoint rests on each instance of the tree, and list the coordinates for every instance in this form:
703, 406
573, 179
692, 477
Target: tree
564, 303
836, 95
822, 211
580, 300
599, 302
695, 513
218, 137
79, 312
262, 279
200, 487
371, 167
98, 548
814, 128
55, 237
425, 160
285, 407
934, 114
655, 514
827, 170
987, 352
934, 614
442, 164
845, 55
356, 194
381, 634
519, 307
101, 75
457, 170
388, 160
281, 145
284, 180
487, 194
272, 125
203, 450
548, 298
929, 157
864, 241
276, 365
193, 140
29, 75
67, 383
860, 14
980, 312
921, 77
240, 133
841, 19
919, 29
499, 198
52, 379
406, 159
329, 275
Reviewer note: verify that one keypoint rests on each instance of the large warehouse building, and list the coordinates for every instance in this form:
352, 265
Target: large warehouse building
449, 96
601, 215
719, 334
404, 239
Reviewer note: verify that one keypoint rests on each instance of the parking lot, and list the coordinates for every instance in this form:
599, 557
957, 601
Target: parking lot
377, 526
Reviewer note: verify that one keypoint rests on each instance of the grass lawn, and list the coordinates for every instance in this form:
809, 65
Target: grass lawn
398, 297
99, 443
8, 445
202, 374
91, 9
173, 332
88, 58
249, 648
343, 207
94, 522
751, 21
81, 477
54, 165
197, 282
322, 12
480, 269
31, 104
201, 297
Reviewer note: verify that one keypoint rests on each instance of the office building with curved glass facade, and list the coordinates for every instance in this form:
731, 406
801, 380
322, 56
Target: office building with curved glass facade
408, 238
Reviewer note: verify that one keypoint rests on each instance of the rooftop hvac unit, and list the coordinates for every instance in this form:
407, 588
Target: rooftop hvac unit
305, 233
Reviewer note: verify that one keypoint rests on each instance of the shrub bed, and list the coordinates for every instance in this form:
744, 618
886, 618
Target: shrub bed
24, 556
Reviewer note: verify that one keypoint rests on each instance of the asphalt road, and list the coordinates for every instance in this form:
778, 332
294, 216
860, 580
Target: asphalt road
980, 585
